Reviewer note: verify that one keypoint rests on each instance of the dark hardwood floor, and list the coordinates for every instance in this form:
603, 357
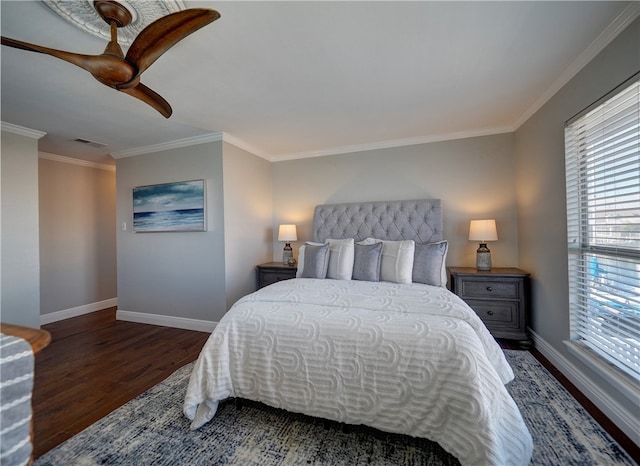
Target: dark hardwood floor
96, 364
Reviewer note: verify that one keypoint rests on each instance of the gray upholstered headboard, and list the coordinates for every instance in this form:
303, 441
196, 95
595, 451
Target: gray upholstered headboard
419, 220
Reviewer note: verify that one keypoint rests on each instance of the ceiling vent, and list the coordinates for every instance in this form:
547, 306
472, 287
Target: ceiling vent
97, 145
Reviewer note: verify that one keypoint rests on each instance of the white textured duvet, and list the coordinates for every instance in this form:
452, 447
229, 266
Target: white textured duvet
404, 358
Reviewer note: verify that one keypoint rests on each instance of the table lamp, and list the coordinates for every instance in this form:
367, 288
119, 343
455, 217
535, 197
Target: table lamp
483, 231
287, 233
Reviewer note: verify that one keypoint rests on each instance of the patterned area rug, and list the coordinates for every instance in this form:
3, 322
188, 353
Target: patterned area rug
151, 430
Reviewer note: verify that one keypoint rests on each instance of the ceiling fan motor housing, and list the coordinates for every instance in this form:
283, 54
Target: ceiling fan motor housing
113, 11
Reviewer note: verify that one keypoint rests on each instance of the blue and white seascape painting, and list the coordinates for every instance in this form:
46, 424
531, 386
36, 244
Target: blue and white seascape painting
170, 207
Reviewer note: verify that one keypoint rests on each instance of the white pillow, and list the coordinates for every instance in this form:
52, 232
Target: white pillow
341, 254
397, 260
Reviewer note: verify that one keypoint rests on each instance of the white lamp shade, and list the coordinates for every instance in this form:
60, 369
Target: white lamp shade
483, 230
287, 233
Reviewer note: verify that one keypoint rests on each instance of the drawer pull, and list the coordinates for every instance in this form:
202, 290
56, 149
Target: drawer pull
490, 313
489, 288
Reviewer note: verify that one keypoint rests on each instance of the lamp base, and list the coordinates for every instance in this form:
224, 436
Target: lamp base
287, 253
483, 257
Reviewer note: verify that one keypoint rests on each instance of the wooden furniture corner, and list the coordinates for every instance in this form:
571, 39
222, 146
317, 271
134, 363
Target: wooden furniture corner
36, 337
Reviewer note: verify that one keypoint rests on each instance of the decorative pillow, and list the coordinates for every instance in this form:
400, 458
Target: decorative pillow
316, 261
301, 257
367, 261
429, 263
397, 260
340, 258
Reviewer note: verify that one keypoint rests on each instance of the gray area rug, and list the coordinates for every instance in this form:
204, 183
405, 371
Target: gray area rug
151, 430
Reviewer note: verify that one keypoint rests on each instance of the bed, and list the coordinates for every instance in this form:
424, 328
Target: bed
395, 351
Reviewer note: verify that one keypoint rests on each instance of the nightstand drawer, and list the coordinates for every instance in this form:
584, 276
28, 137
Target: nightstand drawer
267, 277
490, 289
273, 272
497, 313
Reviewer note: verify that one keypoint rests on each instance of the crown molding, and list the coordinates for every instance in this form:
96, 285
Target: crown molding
176, 144
393, 143
21, 130
193, 141
73, 161
240, 144
619, 24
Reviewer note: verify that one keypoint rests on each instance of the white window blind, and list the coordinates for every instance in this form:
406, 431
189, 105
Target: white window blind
602, 149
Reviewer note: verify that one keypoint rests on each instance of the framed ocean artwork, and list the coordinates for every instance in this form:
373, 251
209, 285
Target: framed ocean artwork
176, 206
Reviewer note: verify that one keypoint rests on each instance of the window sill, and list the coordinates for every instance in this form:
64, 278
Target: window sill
623, 383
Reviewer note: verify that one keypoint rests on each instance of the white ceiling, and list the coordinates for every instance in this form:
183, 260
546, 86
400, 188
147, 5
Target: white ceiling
294, 79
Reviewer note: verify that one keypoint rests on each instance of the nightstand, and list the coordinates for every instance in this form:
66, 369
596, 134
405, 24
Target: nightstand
499, 296
272, 272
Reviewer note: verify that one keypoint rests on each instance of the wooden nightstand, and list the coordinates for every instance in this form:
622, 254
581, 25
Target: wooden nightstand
499, 296
272, 272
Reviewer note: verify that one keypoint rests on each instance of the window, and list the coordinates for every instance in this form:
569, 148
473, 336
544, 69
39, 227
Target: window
602, 150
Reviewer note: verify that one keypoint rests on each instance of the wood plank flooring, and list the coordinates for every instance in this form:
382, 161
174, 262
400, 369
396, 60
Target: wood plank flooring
96, 364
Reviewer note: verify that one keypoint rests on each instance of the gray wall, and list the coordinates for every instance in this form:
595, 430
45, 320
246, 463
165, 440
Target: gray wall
20, 266
173, 273
77, 235
248, 213
473, 177
542, 202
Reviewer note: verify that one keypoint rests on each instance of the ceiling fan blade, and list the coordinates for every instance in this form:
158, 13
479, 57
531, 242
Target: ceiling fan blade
83, 61
109, 69
164, 33
150, 97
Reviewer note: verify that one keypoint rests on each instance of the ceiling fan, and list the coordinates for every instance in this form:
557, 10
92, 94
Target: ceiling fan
122, 72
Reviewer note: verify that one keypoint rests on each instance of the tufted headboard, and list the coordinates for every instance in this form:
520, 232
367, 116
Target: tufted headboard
419, 220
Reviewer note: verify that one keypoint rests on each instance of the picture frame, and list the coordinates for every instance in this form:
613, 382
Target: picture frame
170, 207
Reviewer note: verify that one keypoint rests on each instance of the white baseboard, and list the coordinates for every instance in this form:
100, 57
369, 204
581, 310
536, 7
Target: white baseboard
166, 321
77, 311
626, 421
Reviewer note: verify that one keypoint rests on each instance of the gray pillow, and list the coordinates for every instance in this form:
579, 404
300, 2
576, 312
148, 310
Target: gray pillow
316, 261
429, 263
366, 262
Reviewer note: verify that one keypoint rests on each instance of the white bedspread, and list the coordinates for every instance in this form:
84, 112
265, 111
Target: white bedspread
403, 358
